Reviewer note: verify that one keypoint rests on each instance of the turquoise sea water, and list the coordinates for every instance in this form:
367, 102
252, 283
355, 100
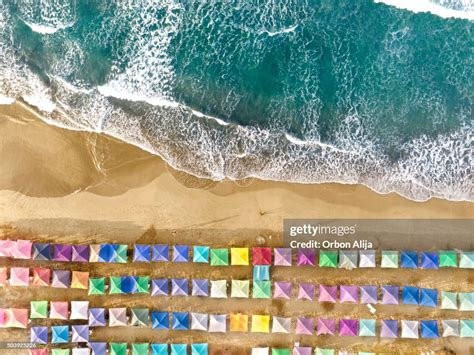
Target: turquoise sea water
304, 91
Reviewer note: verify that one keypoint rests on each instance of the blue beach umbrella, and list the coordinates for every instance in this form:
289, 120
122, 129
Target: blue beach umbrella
199, 349
409, 259
106, 253
261, 272
129, 284
428, 297
41, 251
59, 334
429, 260
159, 287
200, 287
200, 254
98, 348
160, 252
160, 320
410, 295
141, 253
159, 349
429, 329
180, 254
180, 320
179, 349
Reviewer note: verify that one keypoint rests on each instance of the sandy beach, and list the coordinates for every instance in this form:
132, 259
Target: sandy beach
80, 187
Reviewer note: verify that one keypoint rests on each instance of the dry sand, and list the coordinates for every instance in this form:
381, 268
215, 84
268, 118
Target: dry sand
57, 184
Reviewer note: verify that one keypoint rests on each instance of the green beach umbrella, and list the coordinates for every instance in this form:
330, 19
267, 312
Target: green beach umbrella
389, 259
281, 352
121, 253
320, 351
60, 351
140, 348
467, 328
328, 258
448, 258
96, 286
115, 285
38, 309
261, 289
140, 317
143, 284
219, 257
118, 348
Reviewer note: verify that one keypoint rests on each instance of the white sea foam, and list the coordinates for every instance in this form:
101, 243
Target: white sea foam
282, 31
418, 6
5, 100
45, 29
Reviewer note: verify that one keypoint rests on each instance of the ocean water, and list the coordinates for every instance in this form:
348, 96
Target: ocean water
373, 92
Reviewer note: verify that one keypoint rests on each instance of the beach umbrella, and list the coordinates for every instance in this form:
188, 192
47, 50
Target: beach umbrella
179, 287
118, 348
79, 333
15, 318
140, 317
81, 351
178, 349
466, 259
429, 329
467, 328
61, 278
320, 351
261, 256
261, 289
39, 335
128, 284
448, 258
159, 287
115, 283
160, 252
80, 253
410, 295
200, 287
60, 352
180, 320
466, 301
141, 253
282, 289
98, 348
347, 259
6, 248
409, 259
239, 322
41, 276
199, 349
62, 252
302, 350
389, 328
96, 286
349, 294
306, 291
200, 254
260, 324
429, 260
180, 254
281, 325
390, 294
39, 309
326, 326
94, 250
199, 321
219, 257
60, 334
304, 326
428, 297
327, 293
450, 327
160, 320
96, 317
368, 294
159, 349
367, 258
143, 284
107, 253
410, 329
118, 317
59, 310
260, 351
328, 258
80, 279
23, 249
281, 351
348, 327
3, 276
305, 257
121, 251
217, 323
219, 289
367, 328
39, 351
41, 251
140, 348
282, 257
19, 276
79, 310
240, 289
239, 256
390, 259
